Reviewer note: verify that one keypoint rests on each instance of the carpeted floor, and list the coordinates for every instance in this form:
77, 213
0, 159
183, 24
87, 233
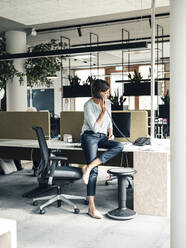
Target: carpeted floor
60, 227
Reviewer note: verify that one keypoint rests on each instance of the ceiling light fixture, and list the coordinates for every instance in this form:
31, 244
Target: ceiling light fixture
79, 31
31, 32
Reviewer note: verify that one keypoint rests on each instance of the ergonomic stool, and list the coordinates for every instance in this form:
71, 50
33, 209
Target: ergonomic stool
124, 176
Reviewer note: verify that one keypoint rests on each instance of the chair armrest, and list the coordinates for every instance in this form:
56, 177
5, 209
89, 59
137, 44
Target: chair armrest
58, 158
53, 166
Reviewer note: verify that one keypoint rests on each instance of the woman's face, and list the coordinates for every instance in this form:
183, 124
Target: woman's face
105, 94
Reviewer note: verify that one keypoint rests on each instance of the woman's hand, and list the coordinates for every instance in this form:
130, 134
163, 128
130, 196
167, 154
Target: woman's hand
103, 105
110, 134
104, 109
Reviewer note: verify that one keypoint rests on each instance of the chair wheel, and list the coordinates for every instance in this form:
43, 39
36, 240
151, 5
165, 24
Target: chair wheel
76, 210
42, 211
86, 202
35, 203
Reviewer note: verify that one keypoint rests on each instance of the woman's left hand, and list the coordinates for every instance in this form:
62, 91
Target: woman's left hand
111, 136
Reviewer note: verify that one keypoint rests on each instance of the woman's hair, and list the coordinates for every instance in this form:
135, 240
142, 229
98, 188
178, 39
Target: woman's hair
98, 86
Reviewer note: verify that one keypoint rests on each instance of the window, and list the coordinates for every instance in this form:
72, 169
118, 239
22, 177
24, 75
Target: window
145, 101
129, 103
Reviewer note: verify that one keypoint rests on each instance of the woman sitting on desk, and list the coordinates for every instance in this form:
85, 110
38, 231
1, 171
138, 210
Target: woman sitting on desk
97, 132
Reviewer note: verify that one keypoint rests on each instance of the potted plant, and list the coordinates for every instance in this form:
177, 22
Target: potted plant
136, 78
74, 81
164, 108
137, 86
117, 101
7, 69
77, 90
90, 80
39, 70
7, 73
166, 98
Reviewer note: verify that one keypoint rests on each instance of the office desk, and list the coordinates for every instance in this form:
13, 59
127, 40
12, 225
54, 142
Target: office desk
29, 150
151, 183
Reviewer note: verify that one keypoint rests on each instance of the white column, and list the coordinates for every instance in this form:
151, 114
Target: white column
178, 123
16, 94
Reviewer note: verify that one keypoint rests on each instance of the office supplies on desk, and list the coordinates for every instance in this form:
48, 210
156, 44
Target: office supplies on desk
67, 137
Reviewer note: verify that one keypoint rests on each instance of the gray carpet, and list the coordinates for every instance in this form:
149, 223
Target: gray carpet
60, 227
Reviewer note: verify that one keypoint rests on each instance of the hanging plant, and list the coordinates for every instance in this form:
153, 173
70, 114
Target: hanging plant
136, 78
117, 101
7, 69
38, 70
166, 98
90, 80
74, 81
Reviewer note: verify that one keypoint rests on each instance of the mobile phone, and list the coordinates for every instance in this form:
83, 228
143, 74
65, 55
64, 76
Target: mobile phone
100, 96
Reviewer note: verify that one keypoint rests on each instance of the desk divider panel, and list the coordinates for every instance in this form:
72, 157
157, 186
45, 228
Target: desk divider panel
71, 123
139, 124
18, 125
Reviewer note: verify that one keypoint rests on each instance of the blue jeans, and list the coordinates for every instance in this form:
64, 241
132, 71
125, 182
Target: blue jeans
90, 143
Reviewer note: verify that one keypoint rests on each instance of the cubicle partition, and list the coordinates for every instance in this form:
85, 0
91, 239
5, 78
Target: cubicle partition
139, 124
18, 125
71, 123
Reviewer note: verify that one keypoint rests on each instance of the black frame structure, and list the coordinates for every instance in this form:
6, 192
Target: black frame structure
61, 52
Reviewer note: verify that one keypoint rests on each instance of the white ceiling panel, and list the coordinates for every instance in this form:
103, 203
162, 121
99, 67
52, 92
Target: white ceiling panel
32, 12
21, 14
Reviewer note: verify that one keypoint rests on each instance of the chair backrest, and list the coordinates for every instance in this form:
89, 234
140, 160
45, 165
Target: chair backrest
43, 151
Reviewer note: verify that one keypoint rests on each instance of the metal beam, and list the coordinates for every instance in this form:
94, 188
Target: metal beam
61, 52
125, 40
143, 80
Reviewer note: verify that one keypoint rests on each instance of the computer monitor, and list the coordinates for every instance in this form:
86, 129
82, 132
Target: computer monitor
54, 126
123, 122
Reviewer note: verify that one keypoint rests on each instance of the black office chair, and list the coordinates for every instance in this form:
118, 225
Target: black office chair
52, 175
